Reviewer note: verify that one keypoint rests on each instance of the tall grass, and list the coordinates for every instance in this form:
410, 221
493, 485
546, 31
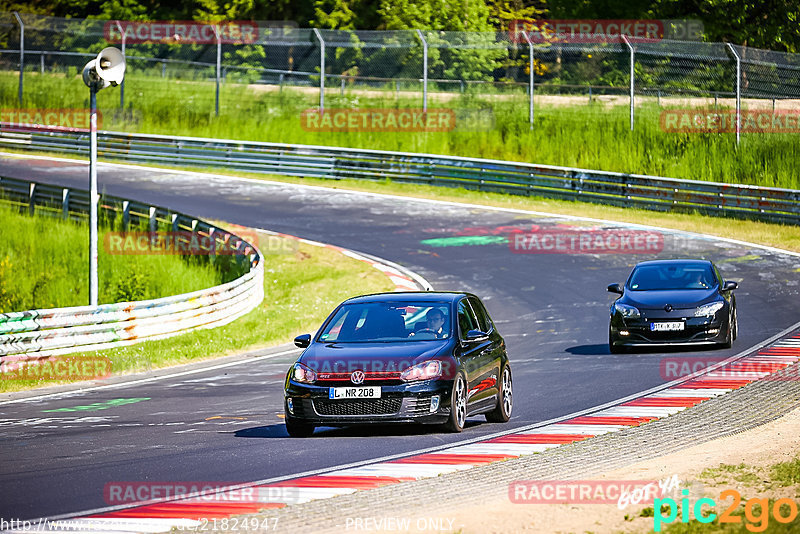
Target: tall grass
44, 263
595, 136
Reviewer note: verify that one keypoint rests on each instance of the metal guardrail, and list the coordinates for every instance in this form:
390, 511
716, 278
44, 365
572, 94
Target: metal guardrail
34, 334
618, 189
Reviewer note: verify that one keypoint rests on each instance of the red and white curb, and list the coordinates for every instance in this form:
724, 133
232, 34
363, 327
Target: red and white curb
403, 279
680, 395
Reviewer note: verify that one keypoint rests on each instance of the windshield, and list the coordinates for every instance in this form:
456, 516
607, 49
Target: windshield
672, 276
388, 322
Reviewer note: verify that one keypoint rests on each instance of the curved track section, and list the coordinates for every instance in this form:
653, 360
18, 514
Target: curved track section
223, 425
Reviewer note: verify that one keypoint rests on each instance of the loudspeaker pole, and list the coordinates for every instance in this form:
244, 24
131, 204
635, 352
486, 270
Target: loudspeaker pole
93, 197
107, 69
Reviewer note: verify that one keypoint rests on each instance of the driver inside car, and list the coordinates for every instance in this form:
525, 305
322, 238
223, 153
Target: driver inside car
434, 324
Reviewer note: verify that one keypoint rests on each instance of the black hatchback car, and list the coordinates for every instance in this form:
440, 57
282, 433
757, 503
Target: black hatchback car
673, 302
421, 357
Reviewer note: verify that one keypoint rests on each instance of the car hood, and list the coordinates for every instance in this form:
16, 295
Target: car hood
371, 357
678, 299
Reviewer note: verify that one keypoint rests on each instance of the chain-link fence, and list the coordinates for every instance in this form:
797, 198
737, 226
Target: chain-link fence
418, 66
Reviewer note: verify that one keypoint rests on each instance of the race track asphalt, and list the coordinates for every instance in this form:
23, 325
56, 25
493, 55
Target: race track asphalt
223, 425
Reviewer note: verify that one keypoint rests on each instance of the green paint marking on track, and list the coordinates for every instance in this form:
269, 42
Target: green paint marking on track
466, 240
100, 405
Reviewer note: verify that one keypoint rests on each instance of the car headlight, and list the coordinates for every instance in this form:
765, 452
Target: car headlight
628, 312
422, 371
708, 310
303, 374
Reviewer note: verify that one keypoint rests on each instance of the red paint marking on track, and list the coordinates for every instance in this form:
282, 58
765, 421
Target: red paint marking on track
184, 510
713, 384
338, 481
453, 459
758, 367
607, 420
540, 438
666, 401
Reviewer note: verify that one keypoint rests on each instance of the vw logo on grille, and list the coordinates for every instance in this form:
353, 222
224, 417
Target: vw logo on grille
357, 377
668, 308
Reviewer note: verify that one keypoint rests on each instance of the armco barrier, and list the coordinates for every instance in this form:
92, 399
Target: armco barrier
34, 334
627, 190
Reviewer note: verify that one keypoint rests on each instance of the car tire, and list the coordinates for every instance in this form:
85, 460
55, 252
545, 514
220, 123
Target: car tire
613, 349
298, 429
733, 330
505, 399
458, 405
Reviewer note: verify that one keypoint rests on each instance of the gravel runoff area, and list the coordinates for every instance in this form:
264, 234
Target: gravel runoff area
737, 411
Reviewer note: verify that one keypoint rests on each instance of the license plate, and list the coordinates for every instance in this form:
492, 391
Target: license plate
373, 392
667, 327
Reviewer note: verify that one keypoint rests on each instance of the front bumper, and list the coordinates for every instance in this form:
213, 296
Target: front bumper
403, 403
697, 331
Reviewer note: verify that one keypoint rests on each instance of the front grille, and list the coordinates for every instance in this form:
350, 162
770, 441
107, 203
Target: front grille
358, 406
419, 405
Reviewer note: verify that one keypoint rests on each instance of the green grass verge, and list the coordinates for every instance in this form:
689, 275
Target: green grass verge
44, 263
595, 136
301, 289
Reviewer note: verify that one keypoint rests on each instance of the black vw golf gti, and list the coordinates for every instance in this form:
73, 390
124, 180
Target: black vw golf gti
419, 357
673, 302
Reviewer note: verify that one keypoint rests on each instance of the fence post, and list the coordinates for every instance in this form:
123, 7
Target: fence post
738, 91
530, 79
126, 214
121, 85
321, 70
65, 203
219, 66
153, 222
31, 198
424, 71
633, 76
41, 63
21, 53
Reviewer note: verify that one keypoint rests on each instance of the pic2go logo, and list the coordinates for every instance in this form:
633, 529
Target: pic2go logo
756, 511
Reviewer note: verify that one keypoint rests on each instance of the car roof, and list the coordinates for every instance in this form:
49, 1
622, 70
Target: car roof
686, 261
409, 296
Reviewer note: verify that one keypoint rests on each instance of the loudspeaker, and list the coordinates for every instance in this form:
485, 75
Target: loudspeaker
108, 68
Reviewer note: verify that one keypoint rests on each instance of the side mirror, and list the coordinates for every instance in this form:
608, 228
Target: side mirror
730, 286
615, 288
303, 341
475, 335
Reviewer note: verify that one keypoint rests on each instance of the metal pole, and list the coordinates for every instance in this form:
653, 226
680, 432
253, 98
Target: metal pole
21, 53
424, 71
530, 80
633, 77
321, 70
219, 65
93, 199
738, 91
122, 85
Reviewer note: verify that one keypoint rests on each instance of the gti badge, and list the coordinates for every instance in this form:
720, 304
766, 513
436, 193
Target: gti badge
357, 377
